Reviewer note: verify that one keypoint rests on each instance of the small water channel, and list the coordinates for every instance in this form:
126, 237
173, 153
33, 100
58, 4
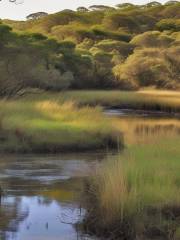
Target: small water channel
41, 192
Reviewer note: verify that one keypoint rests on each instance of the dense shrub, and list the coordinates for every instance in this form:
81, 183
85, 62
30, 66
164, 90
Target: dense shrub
169, 24
129, 46
116, 21
122, 48
152, 39
149, 66
29, 60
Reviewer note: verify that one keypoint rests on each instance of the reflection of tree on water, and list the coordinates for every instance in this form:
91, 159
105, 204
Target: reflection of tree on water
46, 186
11, 215
44, 201
1, 192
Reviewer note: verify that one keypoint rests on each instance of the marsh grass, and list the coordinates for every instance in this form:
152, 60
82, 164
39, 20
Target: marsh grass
168, 101
51, 126
137, 195
137, 130
146, 100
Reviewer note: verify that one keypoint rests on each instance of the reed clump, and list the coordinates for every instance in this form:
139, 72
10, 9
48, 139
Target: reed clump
137, 195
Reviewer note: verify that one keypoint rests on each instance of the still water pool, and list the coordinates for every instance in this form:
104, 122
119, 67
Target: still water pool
40, 200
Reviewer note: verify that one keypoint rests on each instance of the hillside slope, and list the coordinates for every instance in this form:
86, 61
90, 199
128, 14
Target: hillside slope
127, 47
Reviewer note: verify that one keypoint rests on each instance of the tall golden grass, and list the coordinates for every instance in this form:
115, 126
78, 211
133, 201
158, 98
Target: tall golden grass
137, 195
137, 130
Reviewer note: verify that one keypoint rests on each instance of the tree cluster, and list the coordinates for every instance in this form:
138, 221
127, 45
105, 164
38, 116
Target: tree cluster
127, 47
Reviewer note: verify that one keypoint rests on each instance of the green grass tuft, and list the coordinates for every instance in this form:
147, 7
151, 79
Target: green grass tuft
51, 126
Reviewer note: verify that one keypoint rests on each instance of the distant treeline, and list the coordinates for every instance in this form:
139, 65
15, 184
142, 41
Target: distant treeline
126, 47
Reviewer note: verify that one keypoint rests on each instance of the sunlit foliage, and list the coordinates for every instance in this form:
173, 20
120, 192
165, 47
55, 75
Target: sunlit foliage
126, 47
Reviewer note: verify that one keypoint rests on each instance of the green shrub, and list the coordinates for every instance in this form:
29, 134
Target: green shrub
169, 24
152, 39
147, 67
120, 47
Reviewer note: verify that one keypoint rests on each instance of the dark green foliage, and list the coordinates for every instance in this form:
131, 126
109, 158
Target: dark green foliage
37, 36
36, 15
128, 47
5, 34
125, 5
82, 9
28, 60
153, 4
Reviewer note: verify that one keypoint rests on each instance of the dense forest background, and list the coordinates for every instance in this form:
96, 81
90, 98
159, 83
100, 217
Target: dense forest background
125, 47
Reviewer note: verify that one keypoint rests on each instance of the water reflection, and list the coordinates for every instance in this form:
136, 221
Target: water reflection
41, 192
40, 195
144, 126
29, 218
11, 215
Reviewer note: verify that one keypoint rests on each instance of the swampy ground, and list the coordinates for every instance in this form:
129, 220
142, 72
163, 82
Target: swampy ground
44, 195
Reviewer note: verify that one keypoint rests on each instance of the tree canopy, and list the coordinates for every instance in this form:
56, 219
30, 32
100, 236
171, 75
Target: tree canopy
127, 47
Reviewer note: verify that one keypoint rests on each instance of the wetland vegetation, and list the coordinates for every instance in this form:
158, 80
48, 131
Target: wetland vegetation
73, 120
49, 126
90, 124
136, 195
